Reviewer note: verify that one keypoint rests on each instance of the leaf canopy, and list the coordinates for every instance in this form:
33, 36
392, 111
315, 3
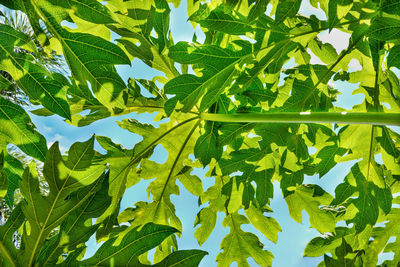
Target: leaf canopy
254, 100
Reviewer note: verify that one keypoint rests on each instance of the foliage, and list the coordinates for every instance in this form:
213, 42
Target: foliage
236, 104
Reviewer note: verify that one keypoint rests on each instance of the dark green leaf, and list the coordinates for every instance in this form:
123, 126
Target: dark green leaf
384, 29
134, 242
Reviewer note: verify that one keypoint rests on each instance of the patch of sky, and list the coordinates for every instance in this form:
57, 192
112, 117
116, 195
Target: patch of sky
311, 150
160, 154
115, 37
139, 70
378, 158
335, 37
181, 28
354, 65
243, 37
92, 247
306, 9
394, 128
55, 129
346, 99
289, 64
68, 24
269, 10
396, 71
385, 256
331, 179
238, 173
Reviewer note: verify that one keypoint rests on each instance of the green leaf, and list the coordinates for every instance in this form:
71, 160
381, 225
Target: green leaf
17, 128
384, 29
161, 23
381, 237
4, 83
119, 160
345, 256
125, 251
229, 23
90, 10
44, 213
208, 219
219, 67
77, 228
338, 9
206, 146
238, 245
393, 57
91, 59
388, 144
266, 225
248, 161
183, 258
250, 66
14, 170
161, 210
286, 9
257, 9
37, 82
391, 7
80, 155
319, 246
370, 198
310, 198
327, 156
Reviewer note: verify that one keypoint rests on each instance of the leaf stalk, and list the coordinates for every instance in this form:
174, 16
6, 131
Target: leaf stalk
371, 118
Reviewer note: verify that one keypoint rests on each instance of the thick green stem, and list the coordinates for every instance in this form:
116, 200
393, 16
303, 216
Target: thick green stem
373, 118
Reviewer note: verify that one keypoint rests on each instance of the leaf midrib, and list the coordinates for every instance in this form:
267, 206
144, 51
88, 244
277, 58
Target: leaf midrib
43, 226
71, 227
133, 243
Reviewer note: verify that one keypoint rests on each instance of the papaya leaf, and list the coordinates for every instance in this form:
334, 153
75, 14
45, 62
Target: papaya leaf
384, 29
218, 20
391, 7
206, 146
17, 128
310, 198
89, 10
286, 9
44, 213
77, 228
319, 246
38, 83
133, 243
91, 59
239, 245
370, 198
219, 69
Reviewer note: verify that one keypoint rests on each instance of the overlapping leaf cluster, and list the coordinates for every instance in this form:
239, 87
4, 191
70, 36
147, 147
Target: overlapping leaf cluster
257, 56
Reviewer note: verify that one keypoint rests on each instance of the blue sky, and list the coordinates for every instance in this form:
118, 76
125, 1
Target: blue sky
294, 236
